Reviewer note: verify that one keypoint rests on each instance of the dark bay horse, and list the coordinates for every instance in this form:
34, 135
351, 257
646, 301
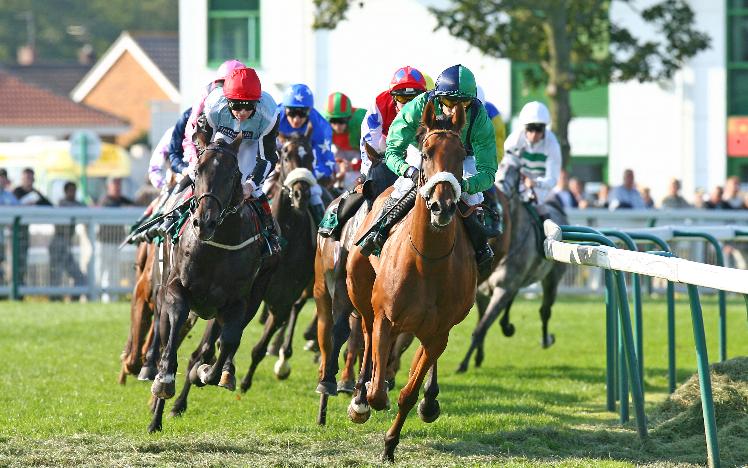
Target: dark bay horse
523, 265
212, 270
293, 273
424, 282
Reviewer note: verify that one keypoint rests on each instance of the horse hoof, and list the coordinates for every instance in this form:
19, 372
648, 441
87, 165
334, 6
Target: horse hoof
202, 373
164, 388
358, 414
508, 330
462, 368
228, 381
246, 384
311, 346
178, 410
194, 377
346, 386
390, 384
429, 412
327, 388
547, 343
154, 428
146, 373
281, 369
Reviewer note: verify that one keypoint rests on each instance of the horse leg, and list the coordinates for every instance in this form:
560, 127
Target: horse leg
507, 327
282, 369
427, 354
311, 334
481, 303
377, 392
222, 371
429, 408
354, 351
399, 346
359, 410
259, 351
273, 349
498, 302
205, 352
149, 369
550, 289
158, 416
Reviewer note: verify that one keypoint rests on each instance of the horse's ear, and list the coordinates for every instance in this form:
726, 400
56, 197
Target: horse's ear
309, 130
237, 142
458, 118
372, 153
429, 116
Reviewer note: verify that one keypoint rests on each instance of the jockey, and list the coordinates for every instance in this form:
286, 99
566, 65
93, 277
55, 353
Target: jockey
454, 86
241, 106
345, 121
180, 163
499, 127
406, 84
534, 148
298, 112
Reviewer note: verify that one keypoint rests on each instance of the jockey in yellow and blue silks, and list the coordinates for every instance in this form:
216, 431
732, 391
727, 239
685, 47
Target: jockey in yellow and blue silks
297, 113
455, 85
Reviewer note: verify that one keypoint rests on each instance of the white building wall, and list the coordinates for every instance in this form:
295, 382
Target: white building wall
357, 58
675, 128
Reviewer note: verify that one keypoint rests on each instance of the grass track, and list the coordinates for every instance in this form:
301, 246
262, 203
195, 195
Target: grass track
525, 406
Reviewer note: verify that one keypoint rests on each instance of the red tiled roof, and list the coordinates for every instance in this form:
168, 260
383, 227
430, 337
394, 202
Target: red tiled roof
24, 104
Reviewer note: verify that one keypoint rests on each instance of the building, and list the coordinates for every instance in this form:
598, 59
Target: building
137, 79
677, 128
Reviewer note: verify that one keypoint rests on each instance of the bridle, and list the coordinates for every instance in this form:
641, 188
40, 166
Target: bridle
283, 150
227, 211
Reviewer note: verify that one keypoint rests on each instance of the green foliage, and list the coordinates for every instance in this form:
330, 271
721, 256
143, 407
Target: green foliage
525, 406
329, 13
103, 20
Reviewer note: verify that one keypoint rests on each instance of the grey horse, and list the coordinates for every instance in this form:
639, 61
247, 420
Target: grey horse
523, 265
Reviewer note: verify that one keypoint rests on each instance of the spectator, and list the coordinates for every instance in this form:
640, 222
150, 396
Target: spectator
698, 198
626, 196
601, 200
6, 198
715, 201
647, 197
561, 192
109, 237
674, 198
732, 194
27, 195
60, 255
576, 187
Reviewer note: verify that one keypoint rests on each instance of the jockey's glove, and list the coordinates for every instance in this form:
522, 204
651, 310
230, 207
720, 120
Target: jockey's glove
248, 187
412, 173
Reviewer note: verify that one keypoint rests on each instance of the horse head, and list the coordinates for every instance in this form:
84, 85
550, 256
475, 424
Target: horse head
296, 167
510, 176
217, 184
442, 156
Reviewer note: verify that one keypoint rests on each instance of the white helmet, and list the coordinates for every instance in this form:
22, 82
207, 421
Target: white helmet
481, 95
535, 112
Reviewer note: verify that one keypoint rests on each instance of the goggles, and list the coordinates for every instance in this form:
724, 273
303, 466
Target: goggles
340, 121
449, 102
297, 112
535, 127
403, 98
242, 105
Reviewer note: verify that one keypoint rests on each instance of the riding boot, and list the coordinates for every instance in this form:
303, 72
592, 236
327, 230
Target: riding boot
338, 214
479, 239
266, 218
317, 212
392, 212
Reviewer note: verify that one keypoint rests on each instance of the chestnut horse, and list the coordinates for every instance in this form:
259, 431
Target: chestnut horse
424, 281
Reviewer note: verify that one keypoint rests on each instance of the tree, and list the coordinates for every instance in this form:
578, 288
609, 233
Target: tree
573, 41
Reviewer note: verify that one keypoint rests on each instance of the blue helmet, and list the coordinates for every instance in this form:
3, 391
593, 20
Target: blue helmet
456, 82
298, 95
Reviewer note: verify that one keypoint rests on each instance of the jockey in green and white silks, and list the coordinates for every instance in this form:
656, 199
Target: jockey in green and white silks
534, 148
455, 85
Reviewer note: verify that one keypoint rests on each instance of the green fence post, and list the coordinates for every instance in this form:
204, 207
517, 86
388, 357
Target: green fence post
14, 265
720, 294
705, 381
610, 355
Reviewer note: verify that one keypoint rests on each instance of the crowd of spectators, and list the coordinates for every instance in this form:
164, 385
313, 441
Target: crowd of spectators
570, 193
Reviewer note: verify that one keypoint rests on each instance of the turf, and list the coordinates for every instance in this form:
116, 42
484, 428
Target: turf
524, 407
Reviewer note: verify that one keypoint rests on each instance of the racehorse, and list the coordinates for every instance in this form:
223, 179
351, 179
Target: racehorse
424, 281
330, 292
291, 195
523, 265
215, 264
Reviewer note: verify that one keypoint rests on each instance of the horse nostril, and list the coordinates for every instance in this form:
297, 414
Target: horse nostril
195, 222
434, 207
451, 207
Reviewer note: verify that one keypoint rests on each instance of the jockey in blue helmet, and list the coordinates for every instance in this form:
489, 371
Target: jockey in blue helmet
297, 112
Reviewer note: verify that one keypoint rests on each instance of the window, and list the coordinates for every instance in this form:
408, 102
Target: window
234, 31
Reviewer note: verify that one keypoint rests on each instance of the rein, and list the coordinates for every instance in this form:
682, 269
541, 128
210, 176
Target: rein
432, 259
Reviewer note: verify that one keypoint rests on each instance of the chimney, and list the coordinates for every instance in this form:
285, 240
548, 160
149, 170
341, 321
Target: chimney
25, 55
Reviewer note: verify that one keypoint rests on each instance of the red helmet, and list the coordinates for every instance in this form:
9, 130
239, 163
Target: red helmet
243, 84
407, 81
